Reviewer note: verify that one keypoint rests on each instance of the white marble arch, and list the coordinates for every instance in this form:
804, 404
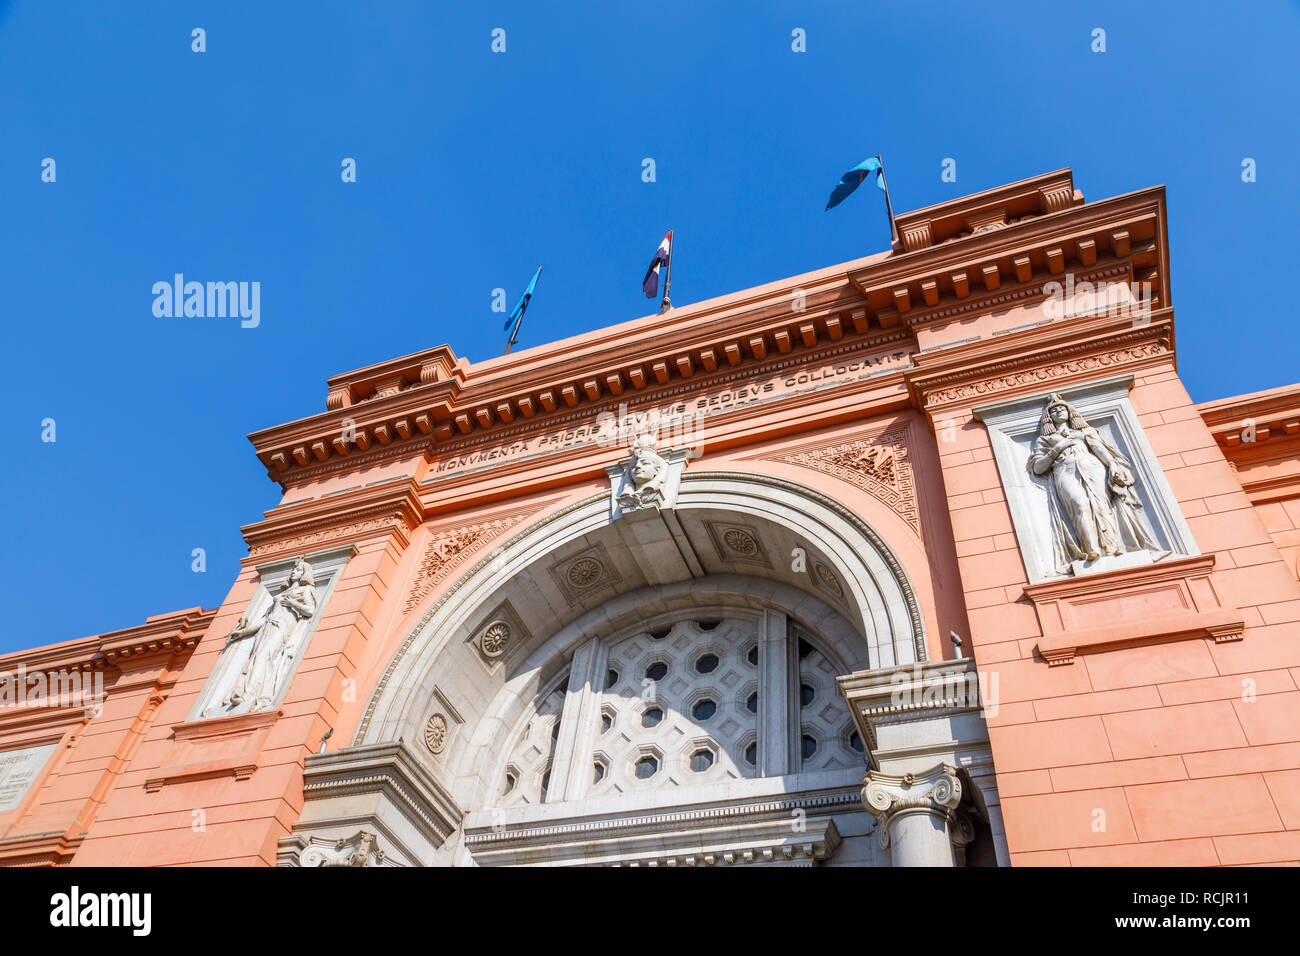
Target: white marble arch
877, 604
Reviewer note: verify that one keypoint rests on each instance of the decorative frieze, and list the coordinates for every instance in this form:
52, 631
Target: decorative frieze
879, 465
1045, 373
447, 548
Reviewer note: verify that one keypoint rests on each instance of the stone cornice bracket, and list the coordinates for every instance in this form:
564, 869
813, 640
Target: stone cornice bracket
886, 702
391, 508
1056, 355
382, 789
936, 792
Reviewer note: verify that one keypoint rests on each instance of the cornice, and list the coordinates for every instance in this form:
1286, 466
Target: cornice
385, 508
1257, 428
418, 404
1125, 233
52, 848
1053, 353
424, 419
175, 634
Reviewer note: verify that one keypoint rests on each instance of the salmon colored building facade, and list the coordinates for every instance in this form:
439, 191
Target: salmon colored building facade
926, 558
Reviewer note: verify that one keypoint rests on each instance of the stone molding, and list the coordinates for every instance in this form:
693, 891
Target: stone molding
1173, 600
910, 692
791, 828
1067, 352
215, 747
392, 507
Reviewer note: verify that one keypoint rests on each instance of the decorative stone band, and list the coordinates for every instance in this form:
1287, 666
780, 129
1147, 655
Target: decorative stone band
790, 829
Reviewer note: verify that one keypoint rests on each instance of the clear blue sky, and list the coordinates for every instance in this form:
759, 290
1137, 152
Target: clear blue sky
473, 167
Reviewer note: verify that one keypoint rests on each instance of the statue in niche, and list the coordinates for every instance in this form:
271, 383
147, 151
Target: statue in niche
1095, 510
648, 471
275, 637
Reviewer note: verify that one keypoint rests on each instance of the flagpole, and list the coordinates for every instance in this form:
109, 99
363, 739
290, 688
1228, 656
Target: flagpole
889, 207
667, 304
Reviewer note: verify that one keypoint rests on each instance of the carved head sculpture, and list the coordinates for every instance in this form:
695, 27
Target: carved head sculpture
301, 574
1056, 413
648, 467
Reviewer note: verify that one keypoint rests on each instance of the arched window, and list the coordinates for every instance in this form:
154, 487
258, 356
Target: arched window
686, 699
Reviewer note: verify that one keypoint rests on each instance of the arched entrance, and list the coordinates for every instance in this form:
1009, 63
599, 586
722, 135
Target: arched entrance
653, 688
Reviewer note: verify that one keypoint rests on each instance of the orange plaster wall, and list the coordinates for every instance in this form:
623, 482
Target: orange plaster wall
220, 819
1156, 754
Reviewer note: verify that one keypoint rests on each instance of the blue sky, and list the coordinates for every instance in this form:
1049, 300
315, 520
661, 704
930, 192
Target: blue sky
474, 166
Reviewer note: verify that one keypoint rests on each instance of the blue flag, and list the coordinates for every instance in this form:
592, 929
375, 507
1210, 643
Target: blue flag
854, 178
517, 314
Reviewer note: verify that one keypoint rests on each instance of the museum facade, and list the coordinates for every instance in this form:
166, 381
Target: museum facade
924, 559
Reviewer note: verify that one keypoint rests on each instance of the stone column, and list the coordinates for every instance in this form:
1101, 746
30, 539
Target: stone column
917, 814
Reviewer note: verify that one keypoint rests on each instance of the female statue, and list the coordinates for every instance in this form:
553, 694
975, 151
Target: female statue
274, 640
1094, 507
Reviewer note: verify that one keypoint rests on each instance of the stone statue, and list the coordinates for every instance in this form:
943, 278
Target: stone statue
1095, 511
648, 471
274, 638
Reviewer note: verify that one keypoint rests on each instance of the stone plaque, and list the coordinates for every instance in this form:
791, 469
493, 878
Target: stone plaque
18, 768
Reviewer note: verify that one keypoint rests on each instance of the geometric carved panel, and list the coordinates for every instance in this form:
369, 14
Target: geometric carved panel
879, 465
443, 550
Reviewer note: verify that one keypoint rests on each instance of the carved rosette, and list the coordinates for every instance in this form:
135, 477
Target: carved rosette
584, 574
886, 796
826, 579
878, 465
737, 542
492, 639
435, 734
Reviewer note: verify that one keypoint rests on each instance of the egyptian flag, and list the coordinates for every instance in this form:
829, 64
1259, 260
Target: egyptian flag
650, 284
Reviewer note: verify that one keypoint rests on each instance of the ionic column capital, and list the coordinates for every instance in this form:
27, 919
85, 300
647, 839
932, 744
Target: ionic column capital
887, 796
